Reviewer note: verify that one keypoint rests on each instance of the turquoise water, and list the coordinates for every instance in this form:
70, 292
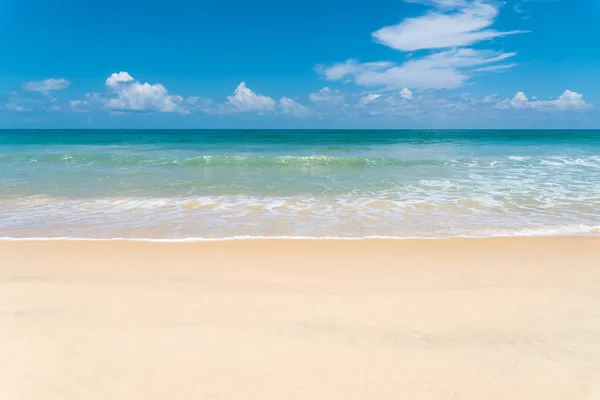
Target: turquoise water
222, 184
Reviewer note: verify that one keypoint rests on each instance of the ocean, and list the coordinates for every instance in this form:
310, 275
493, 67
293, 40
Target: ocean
219, 184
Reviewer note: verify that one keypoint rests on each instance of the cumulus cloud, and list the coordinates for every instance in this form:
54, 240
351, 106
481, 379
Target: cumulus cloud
326, 96
290, 107
441, 29
569, 100
117, 78
433, 104
448, 29
519, 101
127, 94
244, 100
46, 85
405, 93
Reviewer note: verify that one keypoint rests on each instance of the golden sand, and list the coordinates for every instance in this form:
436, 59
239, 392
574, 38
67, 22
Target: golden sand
292, 319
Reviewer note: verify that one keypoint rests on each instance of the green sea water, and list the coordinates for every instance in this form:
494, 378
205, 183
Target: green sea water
200, 184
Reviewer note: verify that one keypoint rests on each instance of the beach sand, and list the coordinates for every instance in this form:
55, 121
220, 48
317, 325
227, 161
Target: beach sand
514, 318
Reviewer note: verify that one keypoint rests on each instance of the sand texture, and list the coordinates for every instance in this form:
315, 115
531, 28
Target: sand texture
477, 319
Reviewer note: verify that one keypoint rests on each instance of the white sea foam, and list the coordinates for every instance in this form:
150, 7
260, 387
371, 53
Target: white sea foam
222, 217
166, 194
559, 231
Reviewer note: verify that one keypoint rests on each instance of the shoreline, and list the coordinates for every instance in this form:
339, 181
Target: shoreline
492, 318
285, 238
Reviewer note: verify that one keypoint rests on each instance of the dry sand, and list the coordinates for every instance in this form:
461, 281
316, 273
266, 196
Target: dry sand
282, 319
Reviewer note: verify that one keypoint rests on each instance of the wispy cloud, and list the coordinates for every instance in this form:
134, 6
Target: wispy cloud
448, 29
46, 85
467, 23
17, 107
369, 98
25, 102
326, 96
500, 67
442, 70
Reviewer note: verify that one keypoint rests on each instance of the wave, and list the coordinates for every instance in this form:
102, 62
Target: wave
235, 217
217, 161
312, 161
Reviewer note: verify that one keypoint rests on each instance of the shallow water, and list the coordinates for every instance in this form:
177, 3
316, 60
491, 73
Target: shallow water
221, 184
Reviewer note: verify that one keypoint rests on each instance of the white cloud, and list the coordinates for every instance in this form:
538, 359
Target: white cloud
448, 28
413, 76
521, 8
442, 70
89, 102
493, 98
391, 76
328, 102
25, 102
433, 104
326, 96
406, 94
75, 103
351, 67
459, 58
193, 100
500, 67
125, 93
46, 85
369, 98
16, 107
244, 99
569, 100
196, 103
442, 29
134, 96
290, 107
333, 103
397, 104
520, 101
117, 78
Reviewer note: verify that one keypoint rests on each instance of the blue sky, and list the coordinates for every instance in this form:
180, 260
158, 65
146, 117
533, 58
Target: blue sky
310, 64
